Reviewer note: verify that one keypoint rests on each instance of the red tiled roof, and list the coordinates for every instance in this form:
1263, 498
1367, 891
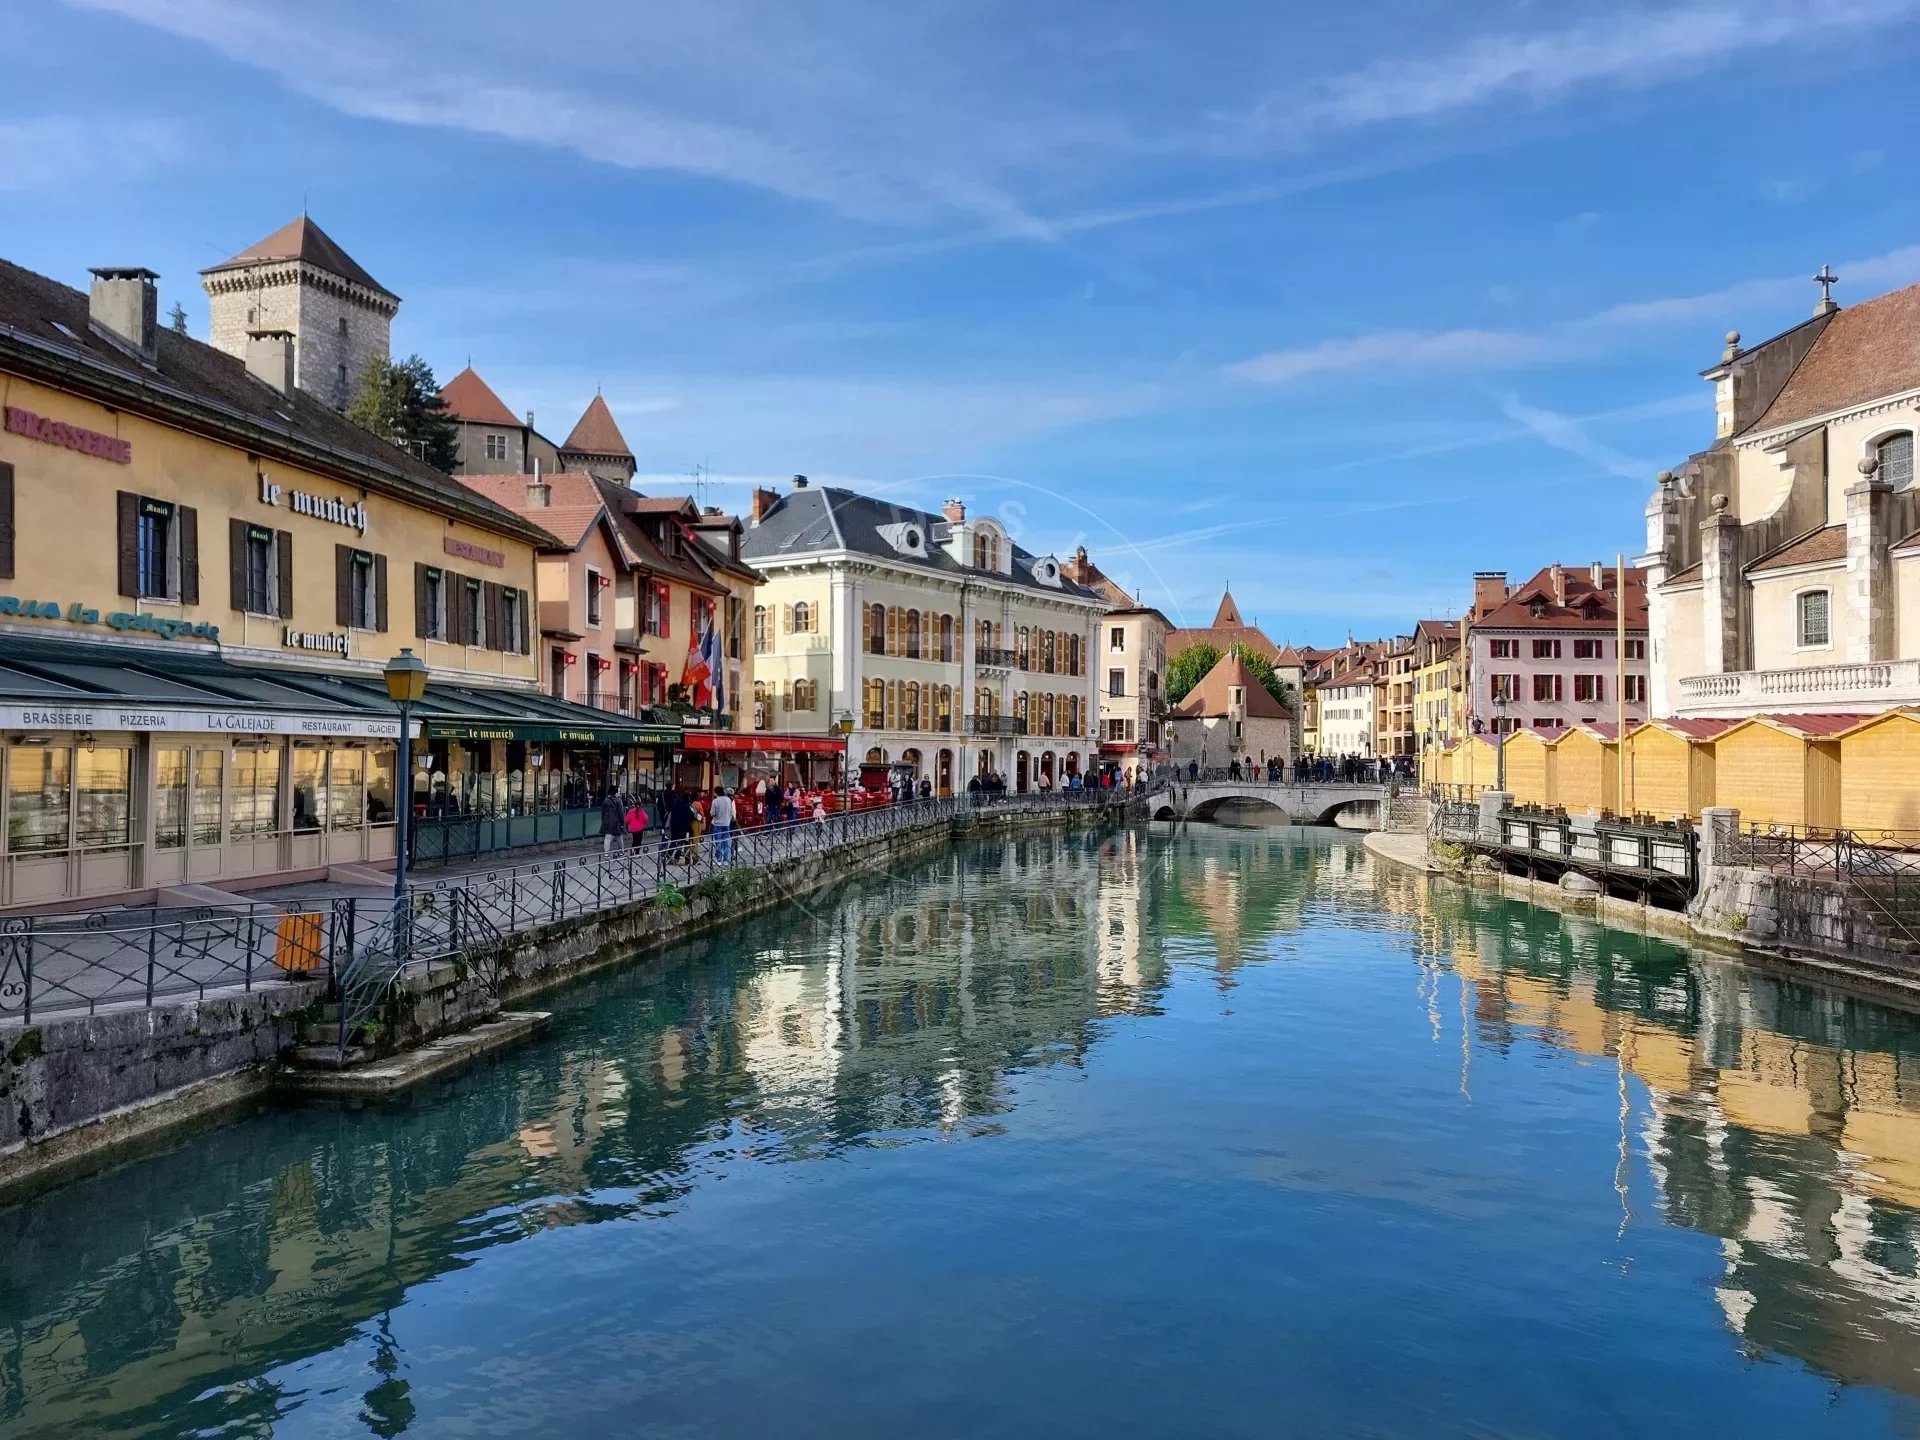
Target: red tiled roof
1228, 613
571, 509
1587, 606
1221, 637
1865, 352
301, 239
468, 397
1209, 697
596, 434
1813, 548
1436, 630
1686, 576
1816, 726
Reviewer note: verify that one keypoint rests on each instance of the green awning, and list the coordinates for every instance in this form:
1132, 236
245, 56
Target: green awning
577, 734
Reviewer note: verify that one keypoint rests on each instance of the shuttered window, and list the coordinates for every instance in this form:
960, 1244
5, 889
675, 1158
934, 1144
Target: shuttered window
6, 522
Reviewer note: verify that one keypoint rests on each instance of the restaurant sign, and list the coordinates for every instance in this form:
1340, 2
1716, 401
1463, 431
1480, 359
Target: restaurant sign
69, 437
561, 734
123, 621
193, 722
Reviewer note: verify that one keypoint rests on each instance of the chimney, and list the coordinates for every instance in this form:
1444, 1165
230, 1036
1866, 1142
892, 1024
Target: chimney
799, 482
955, 511
1558, 576
539, 493
124, 303
1489, 591
1599, 574
763, 503
270, 358
529, 419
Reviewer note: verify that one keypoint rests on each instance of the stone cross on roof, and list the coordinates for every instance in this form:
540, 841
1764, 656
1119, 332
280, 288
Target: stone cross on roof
1826, 280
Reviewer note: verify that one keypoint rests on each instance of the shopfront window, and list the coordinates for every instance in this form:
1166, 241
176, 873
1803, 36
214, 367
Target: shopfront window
207, 768
39, 786
256, 793
169, 798
346, 789
380, 767
309, 789
103, 811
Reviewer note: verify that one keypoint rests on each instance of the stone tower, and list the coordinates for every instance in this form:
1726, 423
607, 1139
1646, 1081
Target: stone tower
299, 281
597, 446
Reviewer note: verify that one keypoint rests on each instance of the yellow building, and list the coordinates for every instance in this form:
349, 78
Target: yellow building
205, 569
1439, 691
1780, 770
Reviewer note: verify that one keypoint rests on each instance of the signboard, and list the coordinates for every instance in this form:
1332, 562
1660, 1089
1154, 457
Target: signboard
319, 642
350, 513
467, 550
124, 621
197, 722
69, 437
788, 744
563, 734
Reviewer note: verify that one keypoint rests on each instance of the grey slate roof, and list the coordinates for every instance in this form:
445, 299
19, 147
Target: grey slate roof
824, 518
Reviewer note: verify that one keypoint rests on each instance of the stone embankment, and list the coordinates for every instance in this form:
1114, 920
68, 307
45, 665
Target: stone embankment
82, 1090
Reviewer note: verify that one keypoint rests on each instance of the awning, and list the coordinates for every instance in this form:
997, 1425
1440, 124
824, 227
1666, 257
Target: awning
727, 741
594, 732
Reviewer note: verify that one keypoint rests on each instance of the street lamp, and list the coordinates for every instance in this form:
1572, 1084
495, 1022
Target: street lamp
1500, 741
406, 676
844, 724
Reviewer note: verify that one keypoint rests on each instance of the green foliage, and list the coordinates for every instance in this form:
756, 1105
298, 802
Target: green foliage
1188, 669
670, 897
401, 403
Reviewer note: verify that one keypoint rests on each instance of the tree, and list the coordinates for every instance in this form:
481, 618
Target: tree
178, 318
401, 403
1262, 670
1188, 669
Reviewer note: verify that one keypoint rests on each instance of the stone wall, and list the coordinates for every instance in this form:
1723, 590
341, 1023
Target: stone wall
71, 1086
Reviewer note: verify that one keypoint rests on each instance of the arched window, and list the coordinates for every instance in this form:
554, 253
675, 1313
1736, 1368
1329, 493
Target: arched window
876, 756
877, 630
1023, 648
875, 706
1046, 652
762, 712
1073, 654
803, 695
910, 710
986, 550
802, 617
943, 710
1020, 710
1813, 619
946, 638
1895, 454
913, 635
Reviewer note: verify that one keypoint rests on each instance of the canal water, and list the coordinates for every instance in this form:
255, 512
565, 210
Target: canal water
1227, 1133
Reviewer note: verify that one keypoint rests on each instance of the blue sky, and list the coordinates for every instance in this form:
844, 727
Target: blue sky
1339, 307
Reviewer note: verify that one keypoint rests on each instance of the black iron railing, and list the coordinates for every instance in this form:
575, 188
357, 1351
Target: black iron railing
995, 725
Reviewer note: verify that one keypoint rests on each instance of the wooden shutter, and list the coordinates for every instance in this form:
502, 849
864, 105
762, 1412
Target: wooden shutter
6, 521
188, 519
380, 593
237, 562
422, 618
495, 611
343, 585
666, 611
526, 622
283, 547
786, 618
129, 507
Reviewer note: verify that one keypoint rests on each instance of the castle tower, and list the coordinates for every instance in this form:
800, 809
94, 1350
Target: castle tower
299, 281
596, 445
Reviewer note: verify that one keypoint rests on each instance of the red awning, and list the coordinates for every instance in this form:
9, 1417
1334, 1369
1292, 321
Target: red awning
727, 741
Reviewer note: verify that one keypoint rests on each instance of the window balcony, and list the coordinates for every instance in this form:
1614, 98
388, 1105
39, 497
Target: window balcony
995, 725
989, 658
1871, 685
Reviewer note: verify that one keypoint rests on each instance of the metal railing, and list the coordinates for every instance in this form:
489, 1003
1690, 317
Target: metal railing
457, 837
1804, 850
996, 725
86, 962
993, 657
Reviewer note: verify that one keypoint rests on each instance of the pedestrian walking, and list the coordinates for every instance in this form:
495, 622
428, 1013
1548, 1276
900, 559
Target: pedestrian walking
613, 822
721, 812
636, 822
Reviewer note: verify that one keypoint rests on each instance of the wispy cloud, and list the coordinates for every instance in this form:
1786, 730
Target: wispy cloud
58, 149
1402, 351
1633, 48
1569, 434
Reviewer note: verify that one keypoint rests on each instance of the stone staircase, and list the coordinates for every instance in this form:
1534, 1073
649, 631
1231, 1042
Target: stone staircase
1407, 813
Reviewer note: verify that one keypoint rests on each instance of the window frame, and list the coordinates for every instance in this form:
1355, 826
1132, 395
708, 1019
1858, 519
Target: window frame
1800, 599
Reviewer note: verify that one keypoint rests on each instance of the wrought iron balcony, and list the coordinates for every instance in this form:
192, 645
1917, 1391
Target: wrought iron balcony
996, 725
992, 658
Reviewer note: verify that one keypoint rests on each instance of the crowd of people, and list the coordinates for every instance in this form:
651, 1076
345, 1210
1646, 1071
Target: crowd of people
1310, 770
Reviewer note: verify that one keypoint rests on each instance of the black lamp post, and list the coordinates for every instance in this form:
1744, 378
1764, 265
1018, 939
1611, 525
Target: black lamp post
406, 676
1500, 741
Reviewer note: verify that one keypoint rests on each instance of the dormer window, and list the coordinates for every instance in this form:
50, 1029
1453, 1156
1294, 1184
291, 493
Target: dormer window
1895, 454
986, 550
1538, 609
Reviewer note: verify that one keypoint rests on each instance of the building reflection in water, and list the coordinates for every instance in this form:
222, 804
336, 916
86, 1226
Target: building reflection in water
1783, 1119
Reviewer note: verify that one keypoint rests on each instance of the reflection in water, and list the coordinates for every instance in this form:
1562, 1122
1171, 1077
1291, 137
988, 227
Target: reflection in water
1040, 1036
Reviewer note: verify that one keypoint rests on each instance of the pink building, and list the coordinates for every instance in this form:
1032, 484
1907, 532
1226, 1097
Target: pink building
1550, 648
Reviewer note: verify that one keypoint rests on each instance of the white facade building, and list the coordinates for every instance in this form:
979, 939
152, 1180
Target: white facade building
952, 651
1348, 713
1785, 557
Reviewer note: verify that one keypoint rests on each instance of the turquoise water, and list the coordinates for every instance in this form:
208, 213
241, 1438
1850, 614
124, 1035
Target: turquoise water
1221, 1135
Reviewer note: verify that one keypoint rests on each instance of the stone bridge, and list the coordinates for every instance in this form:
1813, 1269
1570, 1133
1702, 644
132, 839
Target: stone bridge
1355, 807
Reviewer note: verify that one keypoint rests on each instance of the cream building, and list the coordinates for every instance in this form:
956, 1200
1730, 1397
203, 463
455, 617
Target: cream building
949, 650
1348, 712
1229, 718
1784, 559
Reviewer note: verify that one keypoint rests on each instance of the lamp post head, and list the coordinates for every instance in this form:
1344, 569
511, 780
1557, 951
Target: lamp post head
406, 677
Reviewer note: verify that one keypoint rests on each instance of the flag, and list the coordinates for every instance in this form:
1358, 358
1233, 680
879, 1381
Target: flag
715, 661
695, 673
